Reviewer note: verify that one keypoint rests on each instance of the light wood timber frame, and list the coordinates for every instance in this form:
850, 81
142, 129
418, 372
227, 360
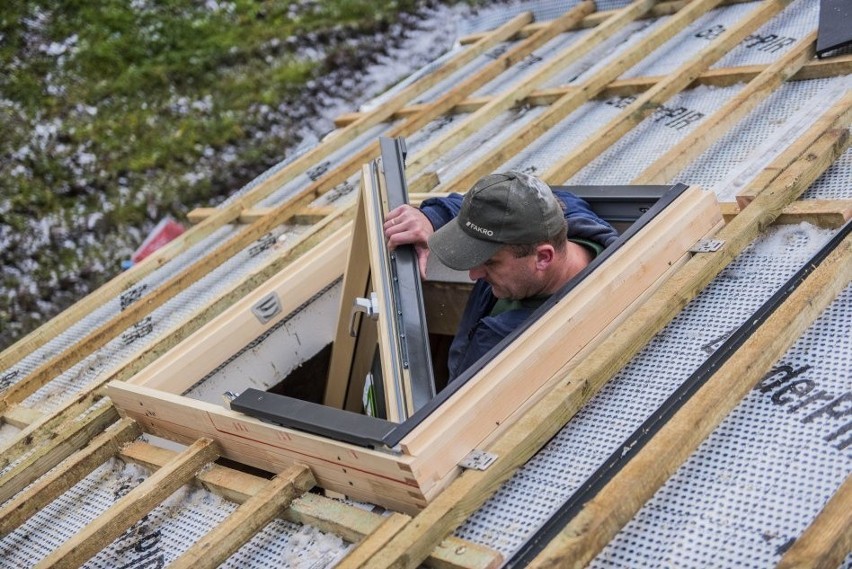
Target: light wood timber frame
651, 99
572, 385
131, 507
571, 53
661, 9
68, 439
24, 505
226, 538
828, 214
714, 127
405, 482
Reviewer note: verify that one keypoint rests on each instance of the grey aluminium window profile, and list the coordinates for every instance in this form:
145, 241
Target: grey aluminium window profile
407, 290
635, 205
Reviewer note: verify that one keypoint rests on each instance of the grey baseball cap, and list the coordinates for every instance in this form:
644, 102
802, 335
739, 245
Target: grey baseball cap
509, 208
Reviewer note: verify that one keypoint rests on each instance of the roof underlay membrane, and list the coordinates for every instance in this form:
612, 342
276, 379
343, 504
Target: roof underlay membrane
747, 493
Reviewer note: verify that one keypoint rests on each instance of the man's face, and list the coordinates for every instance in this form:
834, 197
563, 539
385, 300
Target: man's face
509, 276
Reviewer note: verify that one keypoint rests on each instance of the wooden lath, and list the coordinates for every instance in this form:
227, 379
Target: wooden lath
828, 540
722, 77
650, 100
572, 101
715, 126
131, 507
260, 500
521, 89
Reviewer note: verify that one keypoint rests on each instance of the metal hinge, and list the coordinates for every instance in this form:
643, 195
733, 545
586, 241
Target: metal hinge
478, 460
366, 306
707, 246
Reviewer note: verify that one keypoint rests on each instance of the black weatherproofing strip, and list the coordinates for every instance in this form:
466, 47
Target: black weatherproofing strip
613, 465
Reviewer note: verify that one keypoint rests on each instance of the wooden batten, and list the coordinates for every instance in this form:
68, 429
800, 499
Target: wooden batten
509, 98
131, 507
26, 504
651, 99
249, 518
828, 214
722, 77
67, 439
339, 518
666, 168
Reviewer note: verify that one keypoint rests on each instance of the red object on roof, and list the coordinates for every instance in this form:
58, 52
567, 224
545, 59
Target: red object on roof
164, 232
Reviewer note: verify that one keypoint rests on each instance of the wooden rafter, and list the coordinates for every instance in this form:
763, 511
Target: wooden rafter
828, 540
103, 446
665, 168
350, 522
723, 77
249, 518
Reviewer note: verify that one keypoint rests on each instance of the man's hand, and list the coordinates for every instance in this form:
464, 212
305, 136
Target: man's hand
406, 225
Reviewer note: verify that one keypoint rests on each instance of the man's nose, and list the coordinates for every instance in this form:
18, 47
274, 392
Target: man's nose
476, 273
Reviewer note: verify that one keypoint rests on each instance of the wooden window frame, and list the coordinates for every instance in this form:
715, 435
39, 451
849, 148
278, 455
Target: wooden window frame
403, 465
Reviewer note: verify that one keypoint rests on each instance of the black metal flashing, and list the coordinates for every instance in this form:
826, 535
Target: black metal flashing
311, 417
640, 437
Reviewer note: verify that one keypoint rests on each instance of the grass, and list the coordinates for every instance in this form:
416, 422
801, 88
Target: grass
119, 112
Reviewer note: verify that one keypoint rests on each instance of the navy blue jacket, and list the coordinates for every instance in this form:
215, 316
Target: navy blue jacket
478, 331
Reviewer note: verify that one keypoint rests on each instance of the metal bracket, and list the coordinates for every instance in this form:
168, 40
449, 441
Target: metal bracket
367, 306
227, 397
478, 460
707, 246
267, 307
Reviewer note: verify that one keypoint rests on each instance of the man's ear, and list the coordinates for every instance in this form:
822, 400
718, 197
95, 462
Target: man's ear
544, 256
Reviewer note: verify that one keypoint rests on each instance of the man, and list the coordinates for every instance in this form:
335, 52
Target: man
520, 242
